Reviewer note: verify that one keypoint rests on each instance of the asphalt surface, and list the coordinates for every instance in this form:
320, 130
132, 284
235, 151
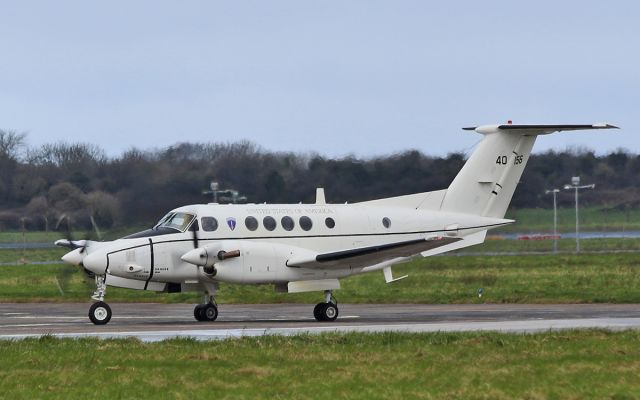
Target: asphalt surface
152, 322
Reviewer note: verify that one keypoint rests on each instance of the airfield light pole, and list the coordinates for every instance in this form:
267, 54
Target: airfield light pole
555, 218
214, 191
575, 185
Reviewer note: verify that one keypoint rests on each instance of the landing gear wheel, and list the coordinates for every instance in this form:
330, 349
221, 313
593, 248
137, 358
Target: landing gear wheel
100, 313
197, 312
325, 312
205, 312
209, 312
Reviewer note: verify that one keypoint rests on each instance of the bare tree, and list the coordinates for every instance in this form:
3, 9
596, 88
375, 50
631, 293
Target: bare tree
11, 144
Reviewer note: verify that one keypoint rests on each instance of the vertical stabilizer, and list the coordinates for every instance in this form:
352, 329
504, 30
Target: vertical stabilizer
486, 183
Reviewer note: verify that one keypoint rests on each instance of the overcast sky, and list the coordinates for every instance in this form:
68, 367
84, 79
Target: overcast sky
336, 77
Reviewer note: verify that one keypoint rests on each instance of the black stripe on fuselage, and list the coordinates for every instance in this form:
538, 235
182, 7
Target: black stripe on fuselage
152, 264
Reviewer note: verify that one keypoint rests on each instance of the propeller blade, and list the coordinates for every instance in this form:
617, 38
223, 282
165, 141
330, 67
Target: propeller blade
194, 230
72, 244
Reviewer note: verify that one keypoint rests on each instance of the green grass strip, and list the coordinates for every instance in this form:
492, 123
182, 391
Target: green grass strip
570, 364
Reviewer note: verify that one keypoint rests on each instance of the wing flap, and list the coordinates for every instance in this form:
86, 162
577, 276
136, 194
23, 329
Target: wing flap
365, 256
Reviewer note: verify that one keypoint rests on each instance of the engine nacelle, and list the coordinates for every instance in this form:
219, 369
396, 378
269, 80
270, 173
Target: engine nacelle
246, 261
209, 255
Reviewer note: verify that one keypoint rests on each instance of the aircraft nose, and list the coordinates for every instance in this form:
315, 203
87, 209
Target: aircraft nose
73, 257
95, 262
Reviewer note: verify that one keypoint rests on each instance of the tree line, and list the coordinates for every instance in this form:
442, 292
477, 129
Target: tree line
40, 186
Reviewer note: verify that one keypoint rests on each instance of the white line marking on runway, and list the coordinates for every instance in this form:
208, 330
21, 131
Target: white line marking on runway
522, 326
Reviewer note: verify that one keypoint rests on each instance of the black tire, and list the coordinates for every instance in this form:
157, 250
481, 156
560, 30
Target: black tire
197, 312
317, 311
209, 312
100, 313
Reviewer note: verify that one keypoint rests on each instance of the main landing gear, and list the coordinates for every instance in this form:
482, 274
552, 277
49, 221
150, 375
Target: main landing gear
208, 310
100, 312
327, 311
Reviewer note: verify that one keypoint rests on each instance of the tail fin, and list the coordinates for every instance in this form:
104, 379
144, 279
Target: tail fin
485, 184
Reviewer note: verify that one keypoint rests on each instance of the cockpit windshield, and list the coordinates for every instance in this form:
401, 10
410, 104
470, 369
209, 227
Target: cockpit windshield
175, 220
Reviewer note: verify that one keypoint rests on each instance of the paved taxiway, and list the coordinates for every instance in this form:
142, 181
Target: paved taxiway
152, 322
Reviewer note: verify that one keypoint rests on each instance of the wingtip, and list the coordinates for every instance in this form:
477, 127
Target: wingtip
469, 128
605, 125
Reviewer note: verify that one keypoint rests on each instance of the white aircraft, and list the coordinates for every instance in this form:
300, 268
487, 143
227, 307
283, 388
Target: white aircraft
310, 247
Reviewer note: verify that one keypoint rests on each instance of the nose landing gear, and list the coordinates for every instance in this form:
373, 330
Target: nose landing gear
100, 312
327, 311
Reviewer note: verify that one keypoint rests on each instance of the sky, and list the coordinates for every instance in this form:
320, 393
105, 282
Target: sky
365, 78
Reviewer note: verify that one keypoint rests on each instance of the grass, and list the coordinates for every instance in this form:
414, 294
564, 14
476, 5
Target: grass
52, 236
561, 278
495, 244
570, 364
25, 256
591, 219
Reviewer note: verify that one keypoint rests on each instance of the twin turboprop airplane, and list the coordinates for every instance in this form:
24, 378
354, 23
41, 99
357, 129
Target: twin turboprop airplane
310, 247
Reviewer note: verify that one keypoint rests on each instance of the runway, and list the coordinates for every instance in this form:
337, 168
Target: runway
154, 322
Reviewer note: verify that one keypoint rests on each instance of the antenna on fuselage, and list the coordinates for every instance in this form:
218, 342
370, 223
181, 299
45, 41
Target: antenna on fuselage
320, 196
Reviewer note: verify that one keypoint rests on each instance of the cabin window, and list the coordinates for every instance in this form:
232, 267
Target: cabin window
287, 223
209, 224
251, 223
305, 223
386, 222
269, 223
330, 223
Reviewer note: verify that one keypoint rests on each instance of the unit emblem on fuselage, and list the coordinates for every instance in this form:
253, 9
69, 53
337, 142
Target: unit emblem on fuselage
231, 222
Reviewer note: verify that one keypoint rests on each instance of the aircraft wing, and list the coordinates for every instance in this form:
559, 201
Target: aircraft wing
365, 256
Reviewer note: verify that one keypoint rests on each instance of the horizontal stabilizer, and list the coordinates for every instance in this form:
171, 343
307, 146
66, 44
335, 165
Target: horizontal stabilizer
538, 129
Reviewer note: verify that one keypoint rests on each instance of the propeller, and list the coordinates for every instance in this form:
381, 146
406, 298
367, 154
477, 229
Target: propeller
65, 273
194, 231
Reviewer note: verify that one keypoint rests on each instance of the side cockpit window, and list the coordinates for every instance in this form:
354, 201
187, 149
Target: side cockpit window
179, 221
171, 223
